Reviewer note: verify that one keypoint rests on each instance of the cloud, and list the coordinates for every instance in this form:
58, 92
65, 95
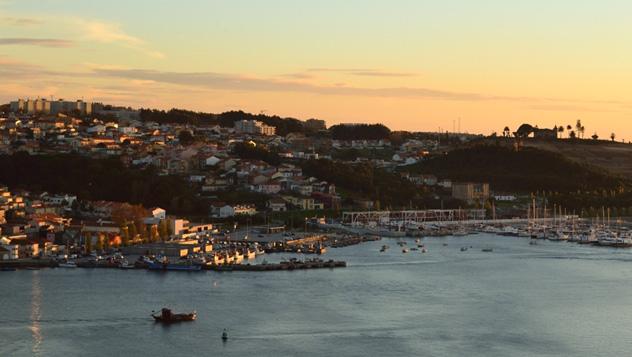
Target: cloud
232, 82
299, 75
41, 42
104, 32
107, 33
220, 81
363, 72
20, 21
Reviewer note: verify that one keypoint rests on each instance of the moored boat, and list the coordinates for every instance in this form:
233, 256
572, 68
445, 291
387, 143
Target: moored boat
68, 265
176, 267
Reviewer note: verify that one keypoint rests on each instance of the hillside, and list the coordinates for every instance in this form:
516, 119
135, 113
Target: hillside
614, 157
527, 170
98, 179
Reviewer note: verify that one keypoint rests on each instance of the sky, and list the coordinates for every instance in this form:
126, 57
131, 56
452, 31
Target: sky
410, 64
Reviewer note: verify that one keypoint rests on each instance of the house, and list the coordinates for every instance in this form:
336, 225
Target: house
157, 212
303, 203
212, 161
94, 229
9, 251
447, 184
57, 200
269, 188
245, 209
222, 210
429, 180
302, 189
505, 198
276, 205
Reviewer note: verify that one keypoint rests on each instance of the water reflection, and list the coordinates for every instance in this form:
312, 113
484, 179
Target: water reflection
36, 315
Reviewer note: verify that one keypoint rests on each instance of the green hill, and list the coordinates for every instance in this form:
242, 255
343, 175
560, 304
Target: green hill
527, 170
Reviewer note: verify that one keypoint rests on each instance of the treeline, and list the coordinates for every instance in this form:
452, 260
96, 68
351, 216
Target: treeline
99, 179
359, 132
254, 152
283, 126
388, 188
527, 170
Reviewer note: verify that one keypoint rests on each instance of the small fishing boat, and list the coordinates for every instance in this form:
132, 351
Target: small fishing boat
424, 250
224, 335
168, 317
125, 265
405, 250
487, 250
464, 249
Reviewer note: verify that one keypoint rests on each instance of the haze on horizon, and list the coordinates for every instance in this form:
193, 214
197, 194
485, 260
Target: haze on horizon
410, 64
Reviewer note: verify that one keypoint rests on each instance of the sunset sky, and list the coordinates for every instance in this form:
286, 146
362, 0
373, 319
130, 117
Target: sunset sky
410, 64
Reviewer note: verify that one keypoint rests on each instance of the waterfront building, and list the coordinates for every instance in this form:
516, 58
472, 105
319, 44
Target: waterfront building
470, 191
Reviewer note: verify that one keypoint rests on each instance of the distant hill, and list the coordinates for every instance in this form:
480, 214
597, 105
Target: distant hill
527, 170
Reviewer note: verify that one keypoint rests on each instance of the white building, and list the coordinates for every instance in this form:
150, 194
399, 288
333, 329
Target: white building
254, 127
44, 106
159, 213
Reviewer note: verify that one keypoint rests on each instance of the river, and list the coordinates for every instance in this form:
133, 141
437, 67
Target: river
550, 299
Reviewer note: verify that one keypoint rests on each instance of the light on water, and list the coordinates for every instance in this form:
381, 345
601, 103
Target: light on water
548, 299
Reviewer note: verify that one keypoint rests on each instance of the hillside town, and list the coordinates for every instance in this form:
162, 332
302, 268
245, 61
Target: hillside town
245, 175
39, 223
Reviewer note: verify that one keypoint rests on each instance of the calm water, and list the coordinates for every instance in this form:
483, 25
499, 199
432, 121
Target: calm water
552, 299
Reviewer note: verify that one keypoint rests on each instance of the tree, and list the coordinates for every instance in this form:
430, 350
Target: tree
185, 138
506, 132
612, 137
99, 246
163, 230
141, 229
595, 136
153, 234
131, 228
88, 242
572, 134
579, 128
125, 235
106, 242
560, 130
360, 132
146, 234
568, 130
